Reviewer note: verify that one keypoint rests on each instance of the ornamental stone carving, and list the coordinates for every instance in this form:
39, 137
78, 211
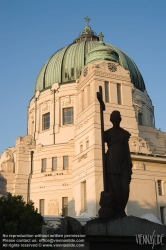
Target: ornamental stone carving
53, 208
112, 67
82, 124
39, 147
71, 143
96, 66
19, 140
45, 108
9, 155
7, 161
85, 72
67, 101
31, 115
139, 165
139, 145
114, 76
82, 157
138, 107
7, 167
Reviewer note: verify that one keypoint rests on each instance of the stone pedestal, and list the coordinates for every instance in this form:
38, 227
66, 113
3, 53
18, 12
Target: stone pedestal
127, 233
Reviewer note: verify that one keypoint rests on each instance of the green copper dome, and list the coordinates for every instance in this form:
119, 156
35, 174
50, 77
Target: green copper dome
101, 52
66, 64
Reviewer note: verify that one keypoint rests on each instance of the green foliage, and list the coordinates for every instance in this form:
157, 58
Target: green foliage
19, 217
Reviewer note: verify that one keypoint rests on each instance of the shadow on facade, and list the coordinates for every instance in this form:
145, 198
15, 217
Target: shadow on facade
71, 208
137, 209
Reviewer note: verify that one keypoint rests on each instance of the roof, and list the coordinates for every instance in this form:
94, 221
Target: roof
66, 64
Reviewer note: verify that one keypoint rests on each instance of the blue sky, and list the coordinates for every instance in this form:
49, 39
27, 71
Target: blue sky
31, 31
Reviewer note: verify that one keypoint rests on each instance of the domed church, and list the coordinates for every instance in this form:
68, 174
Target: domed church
58, 164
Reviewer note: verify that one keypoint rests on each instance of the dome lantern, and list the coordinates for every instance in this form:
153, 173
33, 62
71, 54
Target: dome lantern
87, 34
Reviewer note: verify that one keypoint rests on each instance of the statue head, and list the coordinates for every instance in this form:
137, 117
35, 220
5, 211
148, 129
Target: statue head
115, 118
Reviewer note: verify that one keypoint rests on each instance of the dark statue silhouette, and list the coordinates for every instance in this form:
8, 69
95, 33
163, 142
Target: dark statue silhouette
117, 167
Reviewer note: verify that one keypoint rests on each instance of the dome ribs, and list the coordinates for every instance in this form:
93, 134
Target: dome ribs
66, 64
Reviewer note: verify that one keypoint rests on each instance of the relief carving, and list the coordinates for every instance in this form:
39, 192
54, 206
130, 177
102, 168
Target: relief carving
82, 157
9, 155
118, 77
96, 66
85, 72
138, 107
67, 101
19, 140
139, 165
7, 167
45, 108
39, 147
139, 145
82, 124
53, 208
7, 160
31, 115
71, 143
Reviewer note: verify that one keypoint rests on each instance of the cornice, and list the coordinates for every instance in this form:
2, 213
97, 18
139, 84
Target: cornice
113, 76
148, 158
101, 74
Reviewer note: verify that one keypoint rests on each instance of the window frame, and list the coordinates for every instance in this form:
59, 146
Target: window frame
160, 187
67, 159
64, 123
53, 167
72, 72
43, 168
45, 122
41, 206
140, 118
64, 206
107, 94
119, 93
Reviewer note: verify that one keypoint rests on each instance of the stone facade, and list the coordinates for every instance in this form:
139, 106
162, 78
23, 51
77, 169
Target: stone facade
82, 181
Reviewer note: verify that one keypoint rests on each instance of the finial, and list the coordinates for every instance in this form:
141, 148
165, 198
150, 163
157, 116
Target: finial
101, 36
87, 20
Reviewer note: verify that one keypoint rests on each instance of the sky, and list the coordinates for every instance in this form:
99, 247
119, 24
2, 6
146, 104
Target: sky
31, 31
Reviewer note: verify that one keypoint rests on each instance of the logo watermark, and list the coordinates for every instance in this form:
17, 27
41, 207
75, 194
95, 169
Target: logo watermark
154, 239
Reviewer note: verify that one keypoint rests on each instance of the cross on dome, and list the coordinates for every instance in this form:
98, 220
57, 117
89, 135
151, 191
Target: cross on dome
101, 36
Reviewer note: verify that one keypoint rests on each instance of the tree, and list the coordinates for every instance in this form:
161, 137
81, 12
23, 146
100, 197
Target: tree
19, 217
